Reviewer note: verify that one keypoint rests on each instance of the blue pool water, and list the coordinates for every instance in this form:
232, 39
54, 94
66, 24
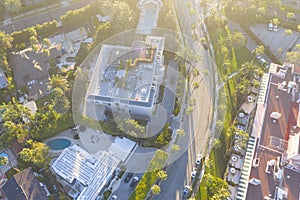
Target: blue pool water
58, 144
3, 154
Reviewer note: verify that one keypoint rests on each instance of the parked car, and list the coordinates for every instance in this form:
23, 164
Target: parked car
134, 182
275, 28
262, 61
270, 26
128, 177
186, 191
198, 160
114, 197
258, 56
75, 128
194, 173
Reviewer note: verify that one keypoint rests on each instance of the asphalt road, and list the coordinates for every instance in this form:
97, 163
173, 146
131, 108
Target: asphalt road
196, 124
43, 16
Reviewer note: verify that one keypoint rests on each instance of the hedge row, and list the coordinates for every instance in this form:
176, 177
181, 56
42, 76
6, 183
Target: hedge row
72, 18
40, 30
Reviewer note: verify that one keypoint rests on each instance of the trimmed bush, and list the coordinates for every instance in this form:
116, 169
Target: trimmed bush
72, 18
23, 36
46, 29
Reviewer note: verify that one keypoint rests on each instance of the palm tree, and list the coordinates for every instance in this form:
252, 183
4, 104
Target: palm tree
186, 55
162, 175
155, 189
58, 81
235, 39
180, 132
175, 148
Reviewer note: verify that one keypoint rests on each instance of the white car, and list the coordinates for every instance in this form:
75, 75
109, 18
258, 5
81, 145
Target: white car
198, 161
258, 56
262, 61
193, 174
275, 28
270, 26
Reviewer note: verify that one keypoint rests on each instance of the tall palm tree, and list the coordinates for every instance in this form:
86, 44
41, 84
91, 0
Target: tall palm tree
58, 81
235, 39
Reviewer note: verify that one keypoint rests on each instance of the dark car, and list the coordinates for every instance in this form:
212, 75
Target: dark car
134, 182
128, 177
186, 191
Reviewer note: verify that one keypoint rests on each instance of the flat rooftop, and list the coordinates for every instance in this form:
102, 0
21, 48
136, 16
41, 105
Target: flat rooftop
92, 171
280, 97
128, 73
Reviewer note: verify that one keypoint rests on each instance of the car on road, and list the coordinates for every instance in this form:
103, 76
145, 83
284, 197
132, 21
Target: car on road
194, 173
114, 197
128, 177
198, 160
186, 191
134, 182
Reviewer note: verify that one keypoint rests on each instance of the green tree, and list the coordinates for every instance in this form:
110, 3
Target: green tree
122, 16
180, 132
13, 6
16, 121
5, 45
102, 33
162, 174
44, 122
155, 189
3, 160
35, 153
61, 102
131, 127
215, 143
235, 39
175, 148
58, 81
214, 185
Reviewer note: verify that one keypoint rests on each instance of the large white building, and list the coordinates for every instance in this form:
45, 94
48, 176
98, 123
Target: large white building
127, 79
85, 174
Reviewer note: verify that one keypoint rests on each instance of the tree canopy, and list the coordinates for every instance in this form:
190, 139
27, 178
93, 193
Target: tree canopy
35, 153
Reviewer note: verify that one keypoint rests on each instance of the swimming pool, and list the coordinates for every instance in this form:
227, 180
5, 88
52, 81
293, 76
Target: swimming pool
5, 155
58, 144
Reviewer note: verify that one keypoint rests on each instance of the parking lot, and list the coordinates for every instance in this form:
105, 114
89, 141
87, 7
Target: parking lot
278, 41
124, 191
